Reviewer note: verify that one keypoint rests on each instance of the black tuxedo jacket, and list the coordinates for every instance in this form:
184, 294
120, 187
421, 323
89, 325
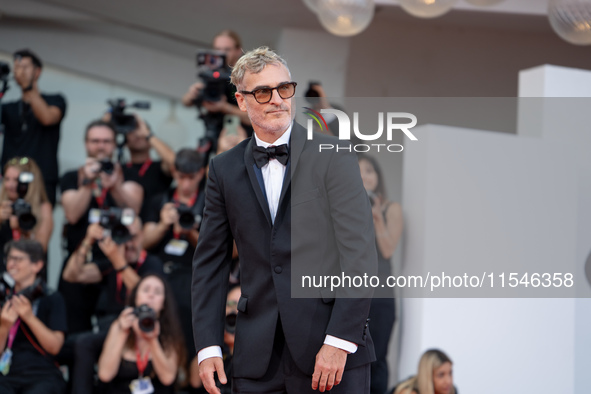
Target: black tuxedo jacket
323, 223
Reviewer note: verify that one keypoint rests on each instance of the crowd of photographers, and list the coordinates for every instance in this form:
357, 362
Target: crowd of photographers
120, 319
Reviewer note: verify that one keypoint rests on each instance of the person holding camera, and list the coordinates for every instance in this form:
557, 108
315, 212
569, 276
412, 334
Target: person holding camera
32, 326
25, 210
153, 176
144, 347
32, 124
120, 269
228, 42
172, 230
99, 184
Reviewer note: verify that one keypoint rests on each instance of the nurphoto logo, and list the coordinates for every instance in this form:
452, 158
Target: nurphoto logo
393, 124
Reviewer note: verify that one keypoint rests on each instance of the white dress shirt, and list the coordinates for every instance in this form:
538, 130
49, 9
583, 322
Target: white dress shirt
273, 173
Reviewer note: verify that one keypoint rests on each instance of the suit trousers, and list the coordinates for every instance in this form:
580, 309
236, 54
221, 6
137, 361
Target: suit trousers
284, 377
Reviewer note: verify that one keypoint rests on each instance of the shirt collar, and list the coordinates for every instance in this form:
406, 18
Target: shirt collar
284, 139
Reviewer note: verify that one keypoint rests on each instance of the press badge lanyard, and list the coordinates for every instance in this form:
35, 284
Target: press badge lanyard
143, 168
6, 358
141, 363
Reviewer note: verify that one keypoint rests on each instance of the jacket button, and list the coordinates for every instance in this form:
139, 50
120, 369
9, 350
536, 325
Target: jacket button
278, 269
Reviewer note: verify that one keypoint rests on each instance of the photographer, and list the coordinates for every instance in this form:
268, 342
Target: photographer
154, 176
118, 271
172, 230
32, 124
228, 42
31, 331
146, 351
35, 221
97, 185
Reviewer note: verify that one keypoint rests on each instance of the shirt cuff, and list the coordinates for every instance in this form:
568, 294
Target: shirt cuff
347, 346
209, 352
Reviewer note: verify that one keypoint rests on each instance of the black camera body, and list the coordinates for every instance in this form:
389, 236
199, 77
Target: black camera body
122, 122
115, 220
187, 217
107, 166
21, 208
33, 292
146, 317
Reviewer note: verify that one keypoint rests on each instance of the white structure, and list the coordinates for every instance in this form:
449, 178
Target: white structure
500, 201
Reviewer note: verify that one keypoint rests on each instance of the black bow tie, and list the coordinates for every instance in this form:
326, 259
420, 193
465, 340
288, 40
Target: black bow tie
263, 155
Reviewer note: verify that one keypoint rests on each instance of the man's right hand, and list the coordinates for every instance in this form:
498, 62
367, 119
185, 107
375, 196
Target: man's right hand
91, 168
168, 214
192, 93
206, 373
9, 315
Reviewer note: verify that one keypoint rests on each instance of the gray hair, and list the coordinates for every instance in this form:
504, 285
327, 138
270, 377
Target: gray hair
255, 61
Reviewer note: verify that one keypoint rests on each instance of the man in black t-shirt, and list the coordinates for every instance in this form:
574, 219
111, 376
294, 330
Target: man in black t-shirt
31, 331
154, 176
85, 191
32, 124
117, 272
171, 233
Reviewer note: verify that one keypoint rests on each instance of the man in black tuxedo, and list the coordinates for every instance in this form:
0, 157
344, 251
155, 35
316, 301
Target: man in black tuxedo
289, 208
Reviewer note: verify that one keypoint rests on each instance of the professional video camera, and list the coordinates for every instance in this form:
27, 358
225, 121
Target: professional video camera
21, 208
146, 317
122, 122
33, 292
115, 221
215, 74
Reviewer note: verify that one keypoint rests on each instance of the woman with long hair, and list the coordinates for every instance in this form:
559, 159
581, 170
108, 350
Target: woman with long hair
11, 228
387, 218
132, 357
433, 377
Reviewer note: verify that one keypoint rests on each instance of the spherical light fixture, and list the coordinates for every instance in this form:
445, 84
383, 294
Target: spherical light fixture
345, 17
571, 20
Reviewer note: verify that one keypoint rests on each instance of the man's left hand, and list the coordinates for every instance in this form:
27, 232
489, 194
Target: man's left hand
329, 368
114, 252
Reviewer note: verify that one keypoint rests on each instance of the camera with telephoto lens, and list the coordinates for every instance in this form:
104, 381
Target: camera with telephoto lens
230, 325
115, 221
122, 122
4, 71
187, 218
21, 208
146, 317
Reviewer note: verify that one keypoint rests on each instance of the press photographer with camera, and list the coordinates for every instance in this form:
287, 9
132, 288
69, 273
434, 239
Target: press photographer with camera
32, 124
25, 210
120, 269
154, 176
97, 185
144, 347
171, 233
32, 325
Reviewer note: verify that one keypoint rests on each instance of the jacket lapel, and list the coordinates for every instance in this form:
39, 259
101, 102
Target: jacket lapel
258, 187
297, 141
